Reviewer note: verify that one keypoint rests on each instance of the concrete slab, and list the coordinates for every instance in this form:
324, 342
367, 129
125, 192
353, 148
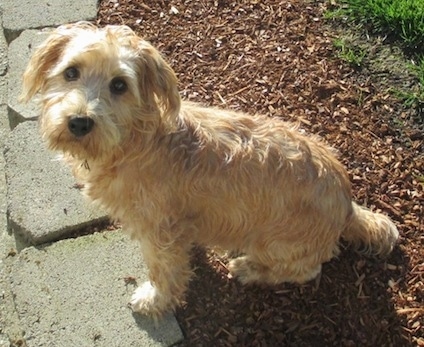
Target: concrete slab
74, 293
19, 15
3, 50
3, 89
5, 240
3, 209
11, 333
3, 66
10, 330
43, 203
20, 51
3, 235
4, 124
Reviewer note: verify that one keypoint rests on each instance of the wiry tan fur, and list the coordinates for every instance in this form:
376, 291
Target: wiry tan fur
177, 174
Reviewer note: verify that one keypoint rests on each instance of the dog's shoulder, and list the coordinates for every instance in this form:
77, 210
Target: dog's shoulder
221, 136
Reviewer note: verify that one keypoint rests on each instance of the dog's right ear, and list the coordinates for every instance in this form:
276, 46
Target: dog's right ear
42, 60
158, 83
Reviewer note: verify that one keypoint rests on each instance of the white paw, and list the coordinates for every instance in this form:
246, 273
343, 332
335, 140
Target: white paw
143, 298
242, 269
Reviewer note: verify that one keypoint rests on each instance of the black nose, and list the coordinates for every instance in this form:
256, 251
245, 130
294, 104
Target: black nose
80, 126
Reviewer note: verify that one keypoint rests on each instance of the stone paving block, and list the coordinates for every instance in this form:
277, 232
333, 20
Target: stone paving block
19, 15
3, 205
43, 202
74, 293
20, 51
4, 132
9, 321
3, 50
4, 124
3, 89
3, 67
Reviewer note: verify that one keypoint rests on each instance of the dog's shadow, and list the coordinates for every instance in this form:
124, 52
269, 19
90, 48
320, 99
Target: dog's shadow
350, 304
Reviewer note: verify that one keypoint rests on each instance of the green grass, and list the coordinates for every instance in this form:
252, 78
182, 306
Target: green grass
354, 56
401, 19
415, 97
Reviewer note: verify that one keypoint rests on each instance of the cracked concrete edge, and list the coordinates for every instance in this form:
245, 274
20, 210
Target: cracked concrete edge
3, 66
10, 328
3, 49
11, 332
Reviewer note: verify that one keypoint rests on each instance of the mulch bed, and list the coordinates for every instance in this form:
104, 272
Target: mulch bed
276, 57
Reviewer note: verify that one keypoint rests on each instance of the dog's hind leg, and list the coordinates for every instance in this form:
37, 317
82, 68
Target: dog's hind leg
250, 269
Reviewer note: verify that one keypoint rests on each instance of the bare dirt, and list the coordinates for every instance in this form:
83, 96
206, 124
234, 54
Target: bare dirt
276, 57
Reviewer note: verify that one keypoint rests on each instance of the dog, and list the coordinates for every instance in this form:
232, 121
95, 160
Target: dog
176, 173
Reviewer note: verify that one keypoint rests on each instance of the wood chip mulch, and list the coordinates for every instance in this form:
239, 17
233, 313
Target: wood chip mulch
276, 57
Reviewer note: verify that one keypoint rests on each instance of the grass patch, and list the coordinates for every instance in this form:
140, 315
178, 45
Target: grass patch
400, 19
353, 55
415, 97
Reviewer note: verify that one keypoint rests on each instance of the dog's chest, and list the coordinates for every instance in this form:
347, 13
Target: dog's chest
123, 191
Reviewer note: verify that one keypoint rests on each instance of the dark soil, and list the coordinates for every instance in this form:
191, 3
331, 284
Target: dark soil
276, 57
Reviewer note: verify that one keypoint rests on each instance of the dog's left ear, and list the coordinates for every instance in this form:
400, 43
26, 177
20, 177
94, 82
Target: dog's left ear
48, 54
42, 60
158, 83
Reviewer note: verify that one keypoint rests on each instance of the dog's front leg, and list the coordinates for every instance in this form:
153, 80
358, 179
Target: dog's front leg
168, 264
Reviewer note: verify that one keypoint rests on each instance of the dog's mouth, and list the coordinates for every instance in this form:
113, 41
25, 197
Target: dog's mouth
78, 134
73, 137
80, 126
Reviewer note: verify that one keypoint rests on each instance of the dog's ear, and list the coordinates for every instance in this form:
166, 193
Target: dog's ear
40, 63
158, 83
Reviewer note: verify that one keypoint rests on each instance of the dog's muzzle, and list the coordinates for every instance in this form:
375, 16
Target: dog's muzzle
80, 126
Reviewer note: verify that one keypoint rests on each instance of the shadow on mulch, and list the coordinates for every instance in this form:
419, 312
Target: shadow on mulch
349, 305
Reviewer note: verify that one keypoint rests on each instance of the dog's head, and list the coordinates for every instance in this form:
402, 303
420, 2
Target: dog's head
99, 89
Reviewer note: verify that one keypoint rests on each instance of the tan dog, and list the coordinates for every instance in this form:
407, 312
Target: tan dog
177, 174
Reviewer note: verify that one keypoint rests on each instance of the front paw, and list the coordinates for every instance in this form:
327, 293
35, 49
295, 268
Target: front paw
147, 300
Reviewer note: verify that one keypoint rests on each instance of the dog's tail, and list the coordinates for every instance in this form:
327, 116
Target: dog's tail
371, 233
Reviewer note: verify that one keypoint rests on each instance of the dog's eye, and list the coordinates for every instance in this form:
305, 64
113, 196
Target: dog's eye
118, 86
71, 73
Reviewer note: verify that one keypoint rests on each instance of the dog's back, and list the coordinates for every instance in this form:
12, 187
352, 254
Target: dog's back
256, 178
